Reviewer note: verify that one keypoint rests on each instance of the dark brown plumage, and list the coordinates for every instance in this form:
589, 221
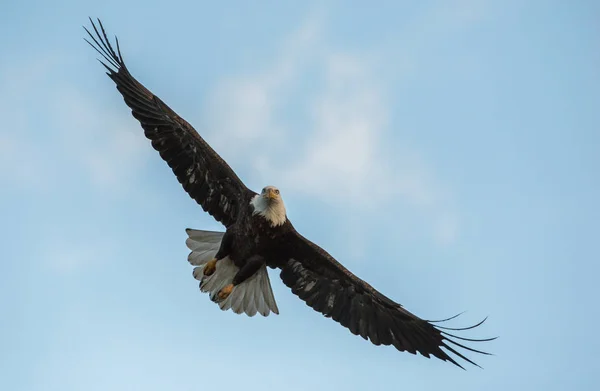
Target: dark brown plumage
311, 273
203, 174
331, 289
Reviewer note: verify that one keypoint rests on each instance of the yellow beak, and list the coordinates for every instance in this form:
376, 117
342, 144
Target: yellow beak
271, 194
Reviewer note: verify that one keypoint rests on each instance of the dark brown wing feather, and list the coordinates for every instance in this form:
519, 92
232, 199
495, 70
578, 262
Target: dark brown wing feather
204, 175
331, 289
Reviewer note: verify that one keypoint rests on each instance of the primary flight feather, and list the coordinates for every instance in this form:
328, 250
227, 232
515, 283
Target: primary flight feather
232, 265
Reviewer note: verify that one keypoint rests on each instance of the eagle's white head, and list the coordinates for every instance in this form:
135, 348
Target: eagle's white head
269, 205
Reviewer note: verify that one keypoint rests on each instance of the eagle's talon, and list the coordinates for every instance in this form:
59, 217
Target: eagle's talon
225, 292
210, 267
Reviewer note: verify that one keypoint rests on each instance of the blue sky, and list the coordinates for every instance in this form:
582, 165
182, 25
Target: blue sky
446, 152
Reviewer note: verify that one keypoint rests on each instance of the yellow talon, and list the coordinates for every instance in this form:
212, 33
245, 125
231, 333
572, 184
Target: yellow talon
210, 267
225, 292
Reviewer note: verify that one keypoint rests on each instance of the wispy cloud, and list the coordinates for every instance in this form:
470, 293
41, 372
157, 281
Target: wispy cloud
341, 153
344, 120
58, 131
110, 146
242, 107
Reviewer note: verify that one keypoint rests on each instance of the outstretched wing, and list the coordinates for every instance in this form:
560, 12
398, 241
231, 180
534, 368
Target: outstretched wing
331, 289
204, 175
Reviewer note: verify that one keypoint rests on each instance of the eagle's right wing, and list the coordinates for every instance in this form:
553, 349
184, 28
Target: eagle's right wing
204, 175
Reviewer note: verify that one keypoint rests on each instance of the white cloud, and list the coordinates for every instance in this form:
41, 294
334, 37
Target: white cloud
110, 147
343, 152
54, 130
56, 137
242, 107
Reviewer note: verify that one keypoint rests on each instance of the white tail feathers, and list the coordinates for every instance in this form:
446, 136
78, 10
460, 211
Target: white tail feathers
252, 296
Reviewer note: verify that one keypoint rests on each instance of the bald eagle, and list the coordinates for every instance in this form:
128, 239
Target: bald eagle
232, 265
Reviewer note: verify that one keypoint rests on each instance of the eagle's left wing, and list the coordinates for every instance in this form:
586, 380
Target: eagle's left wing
204, 175
331, 289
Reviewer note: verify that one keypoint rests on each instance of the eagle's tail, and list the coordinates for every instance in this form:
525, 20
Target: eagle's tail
252, 296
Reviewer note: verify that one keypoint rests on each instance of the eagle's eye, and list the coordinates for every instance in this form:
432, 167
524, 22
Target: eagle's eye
263, 190
276, 191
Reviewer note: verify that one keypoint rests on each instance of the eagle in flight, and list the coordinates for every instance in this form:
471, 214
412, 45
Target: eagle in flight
232, 265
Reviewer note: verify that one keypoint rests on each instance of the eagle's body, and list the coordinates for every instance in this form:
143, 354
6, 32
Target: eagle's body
232, 265
254, 235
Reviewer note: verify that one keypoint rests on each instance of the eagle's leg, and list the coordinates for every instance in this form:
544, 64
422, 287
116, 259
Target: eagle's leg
250, 267
224, 250
210, 267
